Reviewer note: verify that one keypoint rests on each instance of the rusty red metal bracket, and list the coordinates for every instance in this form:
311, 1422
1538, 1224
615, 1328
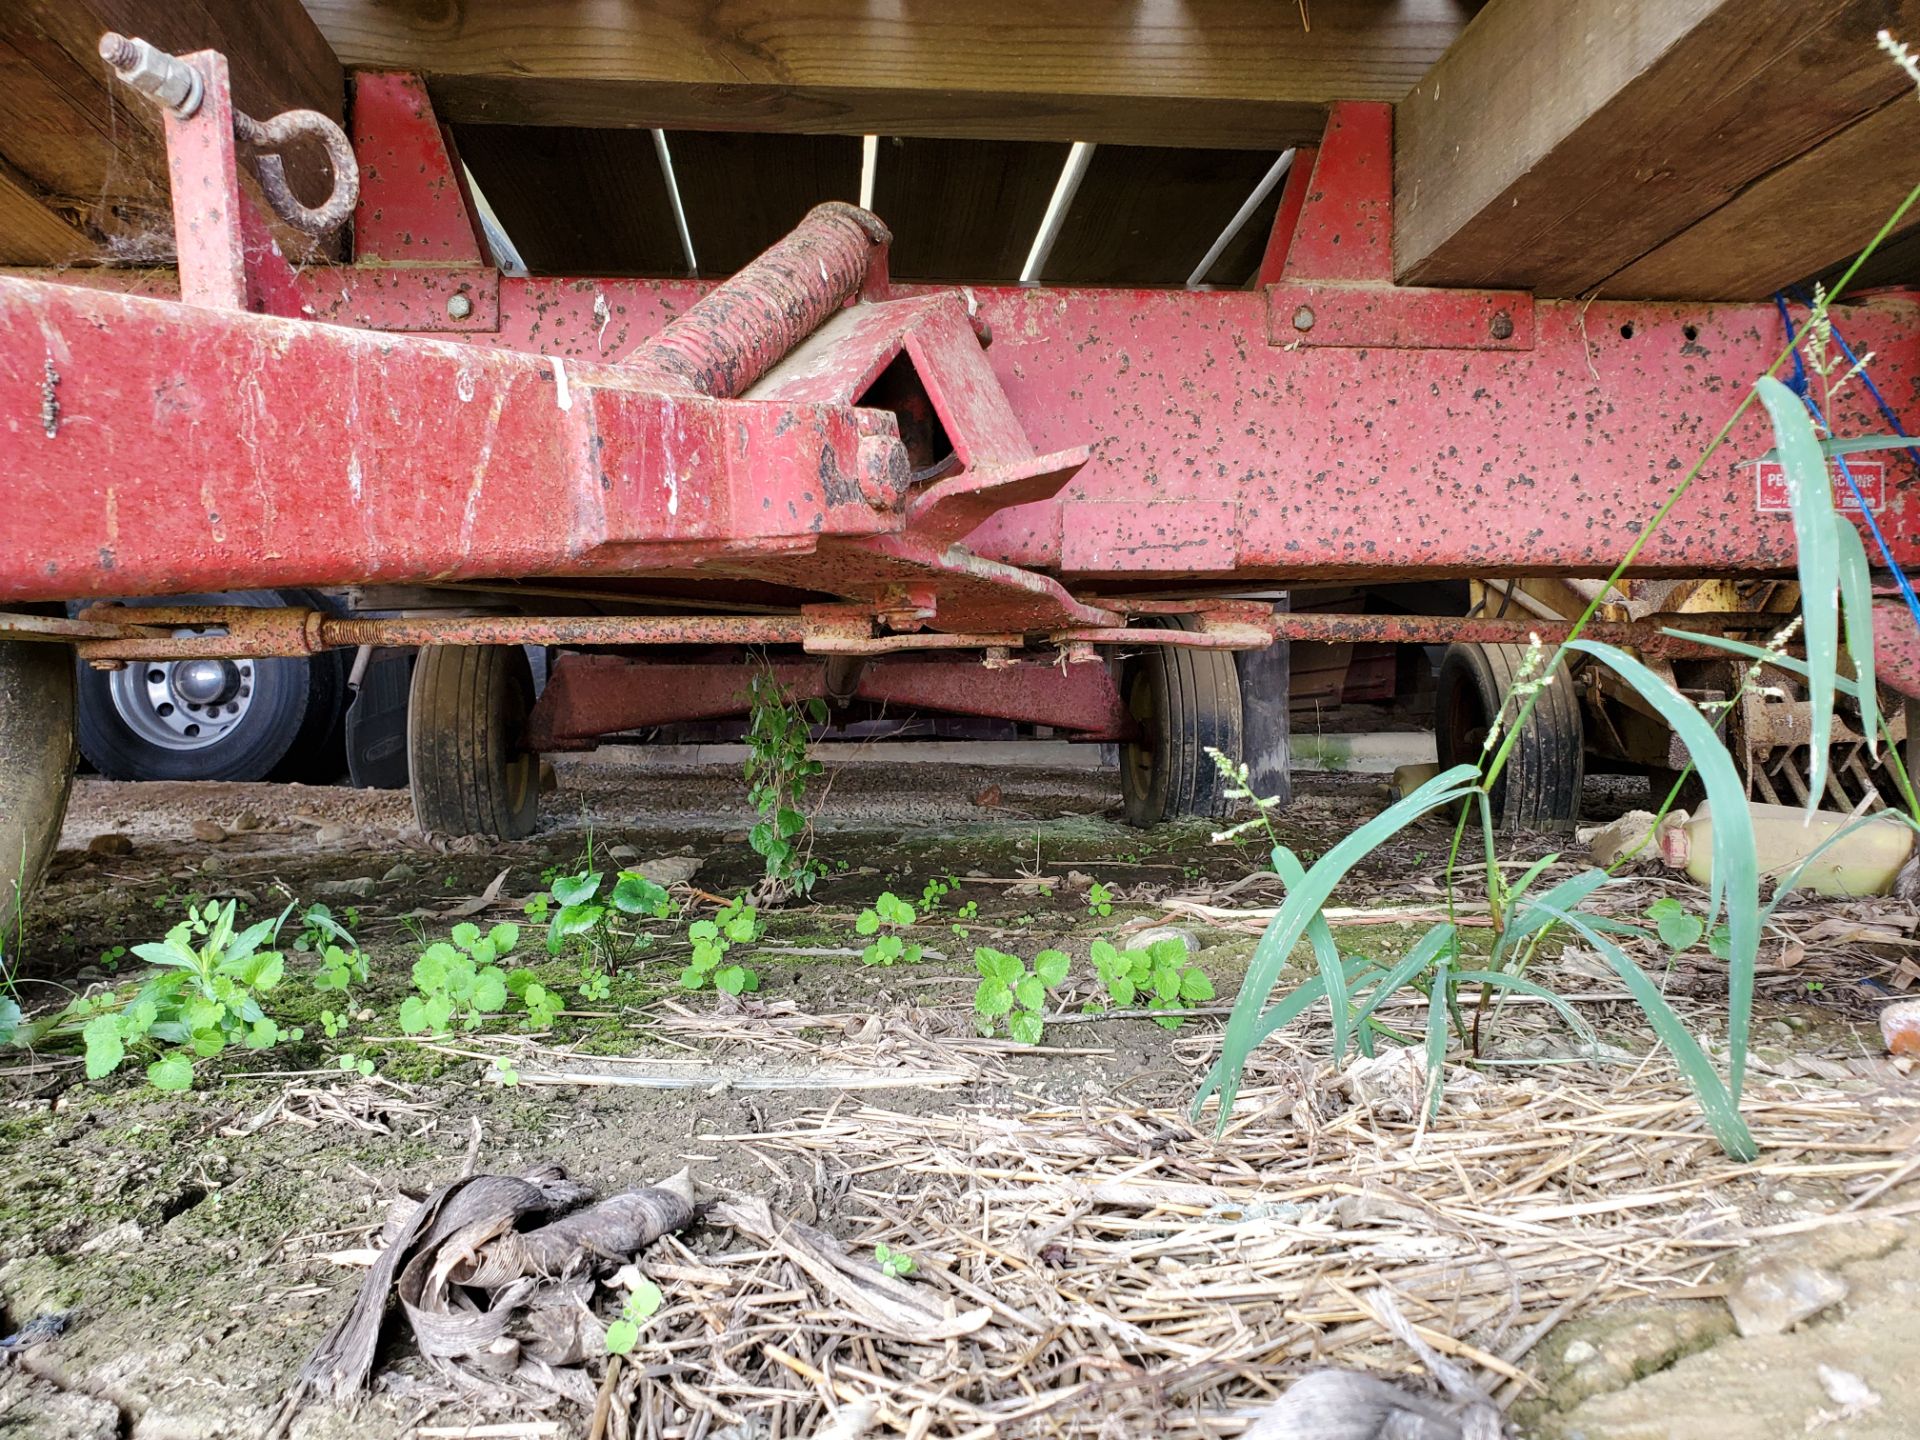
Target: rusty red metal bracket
1336, 287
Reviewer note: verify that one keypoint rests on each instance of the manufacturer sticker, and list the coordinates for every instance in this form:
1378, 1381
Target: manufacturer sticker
1869, 478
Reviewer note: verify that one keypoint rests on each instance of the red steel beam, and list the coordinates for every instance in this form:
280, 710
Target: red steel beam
588, 696
1411, 434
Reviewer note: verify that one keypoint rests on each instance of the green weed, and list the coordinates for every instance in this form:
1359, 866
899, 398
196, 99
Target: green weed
459, 981
891, 913
1011, 993
778, 770
896, 1263
738, 923
205, 999
642, 1304
1157, 977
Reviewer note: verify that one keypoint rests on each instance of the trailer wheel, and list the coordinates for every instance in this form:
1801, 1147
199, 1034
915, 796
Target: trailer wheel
251, 719
467, 712
1184, 701
1540, 786
377, 723
36, 766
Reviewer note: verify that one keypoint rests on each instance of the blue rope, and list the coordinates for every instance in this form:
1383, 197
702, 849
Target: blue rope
1800, 386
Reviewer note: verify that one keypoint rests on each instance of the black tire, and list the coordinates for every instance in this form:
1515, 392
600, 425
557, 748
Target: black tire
377, 723
1540, 787
1184, 701
318, 753
125, 736
467, 713
36, 768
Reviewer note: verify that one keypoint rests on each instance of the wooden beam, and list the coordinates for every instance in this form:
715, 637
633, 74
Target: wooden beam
1557, 143
93, 149
31, 232
576, 202
963, 210
1146, 217
1815, 211
1229, 73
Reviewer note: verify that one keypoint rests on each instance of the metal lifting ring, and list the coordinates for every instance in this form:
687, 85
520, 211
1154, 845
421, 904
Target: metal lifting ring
171, 82
278, 133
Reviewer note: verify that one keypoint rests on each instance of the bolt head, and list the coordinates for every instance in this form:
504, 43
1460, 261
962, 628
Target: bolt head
1502, 326
1303, 318
459, 306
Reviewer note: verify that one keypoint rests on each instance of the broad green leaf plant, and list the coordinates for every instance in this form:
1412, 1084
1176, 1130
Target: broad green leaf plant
205, 997
1835, 592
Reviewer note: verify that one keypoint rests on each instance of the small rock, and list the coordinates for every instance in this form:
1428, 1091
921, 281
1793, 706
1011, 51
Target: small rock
1079, 880
622, 852
399, 874
247, 820
127, 1235
211, 831
212, 865
1777, 1293
331, 834
988, 798
360, 887
112, 843
1847, 1390
1580, 1352
669, 869
1147, 939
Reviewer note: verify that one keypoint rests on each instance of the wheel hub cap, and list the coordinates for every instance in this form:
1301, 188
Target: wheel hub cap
183, 704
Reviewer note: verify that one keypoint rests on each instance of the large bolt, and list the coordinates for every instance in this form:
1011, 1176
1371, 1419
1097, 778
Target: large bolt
153, 72
459, 307
1303, 318
1502, 326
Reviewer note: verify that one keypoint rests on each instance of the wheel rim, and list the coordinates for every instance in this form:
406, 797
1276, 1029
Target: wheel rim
523, 774
183, 705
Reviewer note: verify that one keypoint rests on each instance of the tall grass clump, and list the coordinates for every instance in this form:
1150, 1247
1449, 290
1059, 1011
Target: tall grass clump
1835, 595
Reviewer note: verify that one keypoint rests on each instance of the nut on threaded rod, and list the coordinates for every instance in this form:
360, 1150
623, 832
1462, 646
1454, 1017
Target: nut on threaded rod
153, 72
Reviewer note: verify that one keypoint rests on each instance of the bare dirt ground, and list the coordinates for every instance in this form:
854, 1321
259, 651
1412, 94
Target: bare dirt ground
1564, 1238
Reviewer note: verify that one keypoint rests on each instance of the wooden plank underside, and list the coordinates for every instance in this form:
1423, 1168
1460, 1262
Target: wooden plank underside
963, 210
1558, 144
90, 151
31, 232
1815, 211
1223, 73
743, 192
573, 201
1147, 216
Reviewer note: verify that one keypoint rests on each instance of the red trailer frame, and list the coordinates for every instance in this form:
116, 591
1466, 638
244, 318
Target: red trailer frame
1025, 474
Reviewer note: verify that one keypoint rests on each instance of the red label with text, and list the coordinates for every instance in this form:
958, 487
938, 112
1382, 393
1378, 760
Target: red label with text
1869, 478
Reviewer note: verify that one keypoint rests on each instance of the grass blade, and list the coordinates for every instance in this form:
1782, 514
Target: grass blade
1856, 603
1528, 917
1411, 964
1810, 493
1718, 1102
1501, 980
1736, 866
1326, 954
1301, 907
1437, 999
